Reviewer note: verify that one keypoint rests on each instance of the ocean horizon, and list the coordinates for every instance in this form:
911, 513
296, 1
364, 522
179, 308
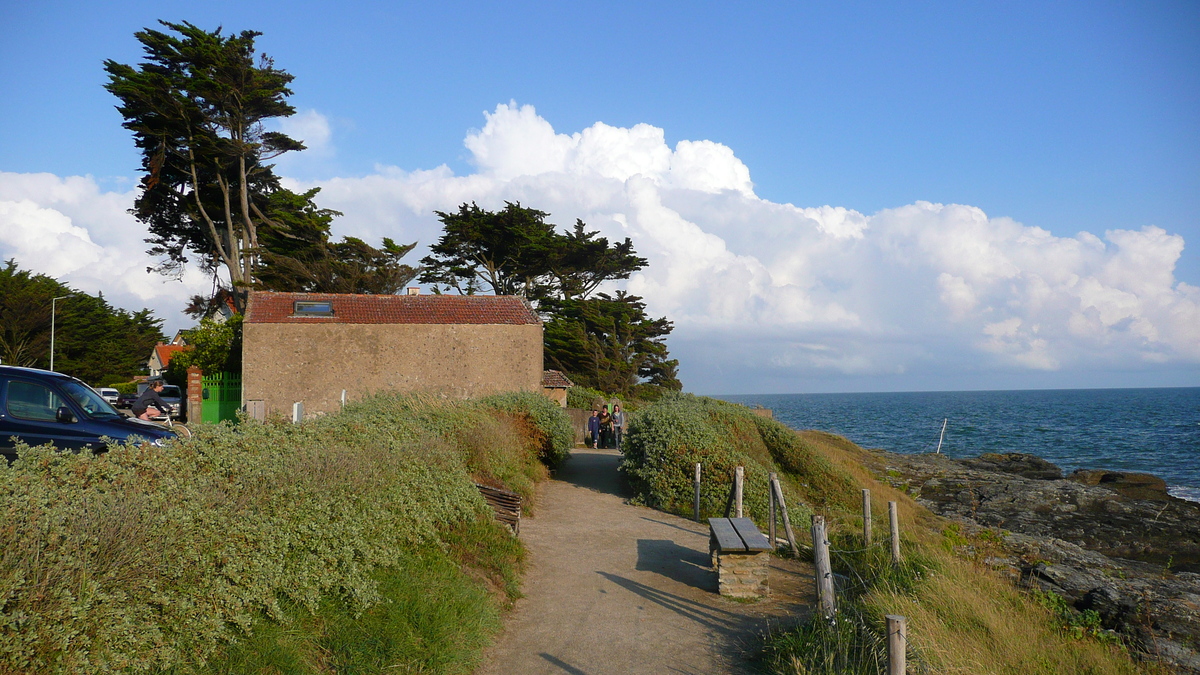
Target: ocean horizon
1146, 430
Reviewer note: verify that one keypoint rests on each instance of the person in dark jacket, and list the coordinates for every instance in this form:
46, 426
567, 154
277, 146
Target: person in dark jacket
594, 429
618, 420
150, 404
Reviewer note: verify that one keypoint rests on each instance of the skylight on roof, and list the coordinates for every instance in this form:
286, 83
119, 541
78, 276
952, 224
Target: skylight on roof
312, 308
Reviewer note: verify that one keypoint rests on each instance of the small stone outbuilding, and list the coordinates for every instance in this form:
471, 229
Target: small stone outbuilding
555, 386
310, 347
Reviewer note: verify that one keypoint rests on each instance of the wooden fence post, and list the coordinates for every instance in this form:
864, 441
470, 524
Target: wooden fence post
823, 568
696, 496
787, 522
866, 496
739, 478
894, 520
897, 641
771, 507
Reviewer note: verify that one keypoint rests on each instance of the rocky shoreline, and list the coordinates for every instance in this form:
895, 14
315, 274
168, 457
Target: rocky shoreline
1113, 542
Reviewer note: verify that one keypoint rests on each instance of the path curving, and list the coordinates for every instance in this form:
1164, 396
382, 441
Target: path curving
616, 588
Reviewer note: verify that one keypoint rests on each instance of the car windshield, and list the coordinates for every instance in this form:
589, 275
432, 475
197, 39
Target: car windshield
170, 391
93, 405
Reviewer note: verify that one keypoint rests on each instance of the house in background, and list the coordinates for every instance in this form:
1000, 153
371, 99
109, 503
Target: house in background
312, 347
160, 358
555, 385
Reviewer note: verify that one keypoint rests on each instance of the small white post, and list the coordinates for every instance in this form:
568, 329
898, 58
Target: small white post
866, 499
297, 412
343, 398
894, 521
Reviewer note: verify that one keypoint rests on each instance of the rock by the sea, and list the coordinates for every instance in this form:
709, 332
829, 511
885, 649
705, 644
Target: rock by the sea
1109, 541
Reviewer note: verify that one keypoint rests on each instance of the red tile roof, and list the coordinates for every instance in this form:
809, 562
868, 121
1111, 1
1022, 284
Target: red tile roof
555, 380
165, 352
269, 307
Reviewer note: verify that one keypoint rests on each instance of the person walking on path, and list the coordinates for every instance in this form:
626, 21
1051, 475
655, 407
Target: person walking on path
605, 427
594, 429
618, 421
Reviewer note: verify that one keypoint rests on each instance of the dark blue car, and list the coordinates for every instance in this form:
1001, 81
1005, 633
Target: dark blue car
40, 406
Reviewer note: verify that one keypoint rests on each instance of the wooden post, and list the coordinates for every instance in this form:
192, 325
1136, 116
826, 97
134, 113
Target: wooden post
895, 523
739, 478
787, 523
696, 495
771, 507
866, 494
823, 569
897, 641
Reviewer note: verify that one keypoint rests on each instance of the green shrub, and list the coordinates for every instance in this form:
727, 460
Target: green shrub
586, 398
665, 440
158, 558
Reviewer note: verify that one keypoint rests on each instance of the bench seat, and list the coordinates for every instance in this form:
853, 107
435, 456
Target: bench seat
740, 555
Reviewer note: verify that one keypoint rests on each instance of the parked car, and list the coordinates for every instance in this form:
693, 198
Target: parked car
109, 394
126, 400
172, 396
40, 406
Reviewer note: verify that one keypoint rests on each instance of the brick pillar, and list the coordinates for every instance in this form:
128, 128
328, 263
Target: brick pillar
195, 388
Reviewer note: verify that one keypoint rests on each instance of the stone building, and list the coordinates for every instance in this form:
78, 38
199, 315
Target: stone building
555, 386
312, 347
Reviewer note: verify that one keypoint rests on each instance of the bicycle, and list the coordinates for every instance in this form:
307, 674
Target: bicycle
179, 428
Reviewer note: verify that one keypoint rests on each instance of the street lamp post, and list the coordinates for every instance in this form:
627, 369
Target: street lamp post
52, 301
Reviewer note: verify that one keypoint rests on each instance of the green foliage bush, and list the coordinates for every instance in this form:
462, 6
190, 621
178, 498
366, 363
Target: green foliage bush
666, 439
149, 558
585, 398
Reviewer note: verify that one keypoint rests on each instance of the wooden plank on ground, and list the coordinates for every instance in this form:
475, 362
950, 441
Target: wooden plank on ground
751, 537
727, 536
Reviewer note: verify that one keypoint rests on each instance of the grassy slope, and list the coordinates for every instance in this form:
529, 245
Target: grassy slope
962, 618
352, 543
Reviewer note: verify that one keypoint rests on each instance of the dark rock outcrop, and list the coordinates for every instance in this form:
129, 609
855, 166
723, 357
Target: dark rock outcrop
1107, 541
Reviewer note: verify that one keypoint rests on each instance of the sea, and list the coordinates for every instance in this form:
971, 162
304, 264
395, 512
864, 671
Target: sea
1154, 431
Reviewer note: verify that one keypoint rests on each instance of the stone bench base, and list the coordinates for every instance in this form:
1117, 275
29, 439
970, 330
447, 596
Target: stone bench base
742, 575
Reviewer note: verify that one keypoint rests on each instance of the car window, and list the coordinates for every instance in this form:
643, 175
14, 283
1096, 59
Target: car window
91, 402
171, 391
29, 401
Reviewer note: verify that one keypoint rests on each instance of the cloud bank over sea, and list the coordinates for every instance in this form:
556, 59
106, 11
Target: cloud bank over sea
765, 296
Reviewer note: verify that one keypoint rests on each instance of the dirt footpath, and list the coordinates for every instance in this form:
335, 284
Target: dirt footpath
615, 588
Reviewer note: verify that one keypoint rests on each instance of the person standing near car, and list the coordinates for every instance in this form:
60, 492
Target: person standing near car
150, 404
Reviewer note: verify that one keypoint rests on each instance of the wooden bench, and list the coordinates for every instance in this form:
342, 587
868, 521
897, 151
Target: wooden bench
740, 555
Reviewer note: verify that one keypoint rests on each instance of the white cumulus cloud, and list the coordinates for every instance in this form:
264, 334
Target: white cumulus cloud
757, 289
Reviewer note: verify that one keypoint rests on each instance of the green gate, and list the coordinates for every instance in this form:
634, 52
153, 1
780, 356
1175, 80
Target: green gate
221, 396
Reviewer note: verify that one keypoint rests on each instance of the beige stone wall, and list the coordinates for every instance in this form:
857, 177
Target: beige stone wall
313, 363
556, 394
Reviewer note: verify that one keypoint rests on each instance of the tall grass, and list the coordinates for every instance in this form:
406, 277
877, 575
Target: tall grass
269, 544
962, 617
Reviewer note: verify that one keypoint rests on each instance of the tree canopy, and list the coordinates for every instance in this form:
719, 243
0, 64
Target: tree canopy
198, 109
600, 340
514, 251
94, 341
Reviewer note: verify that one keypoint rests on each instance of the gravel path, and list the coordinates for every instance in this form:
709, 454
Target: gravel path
615, 588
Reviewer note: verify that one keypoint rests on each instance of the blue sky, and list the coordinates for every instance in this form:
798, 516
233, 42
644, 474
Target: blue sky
1063, 117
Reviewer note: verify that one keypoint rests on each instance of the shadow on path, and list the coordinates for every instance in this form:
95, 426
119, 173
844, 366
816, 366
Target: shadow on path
566, 667
685, 565
719, 620
594, 470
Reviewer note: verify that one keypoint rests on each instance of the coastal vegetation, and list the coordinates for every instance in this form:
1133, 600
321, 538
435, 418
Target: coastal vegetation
355, 542
962, 616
